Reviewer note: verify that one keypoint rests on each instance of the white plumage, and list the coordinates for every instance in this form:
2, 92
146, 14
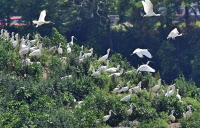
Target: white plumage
142, 52
130, 111
148, 8
126, 98
172, 117
113, 69
156, 87
117, 74
170, 92
103, 58
105, 118
124, 89
146, 68
115, 90
103, 68
173, 34
37, 52
41, 19
60, 50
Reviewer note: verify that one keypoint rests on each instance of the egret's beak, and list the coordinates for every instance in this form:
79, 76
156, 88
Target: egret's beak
75, 38
90, 49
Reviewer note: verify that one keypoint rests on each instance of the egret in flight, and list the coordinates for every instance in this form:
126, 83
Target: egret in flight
142, 52
148, 9
145, 67
174, 33
41, 19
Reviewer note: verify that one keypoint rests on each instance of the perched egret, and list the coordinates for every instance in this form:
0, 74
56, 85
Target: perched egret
85, 55
25, 50
124, 89
69, 50
172, 117
173, 34
156, 87
41, 19
126, 98
170, 92
105, 118
37, 52
178, 96
137, 88
52, 49
80, 57
60, 50
103, 58
148, 8
145, 67
103, 68
115, 90
142, 52
189, 112
113, 69
72, 40
130, 111
96, 74
14, 42
117, 74
33, 48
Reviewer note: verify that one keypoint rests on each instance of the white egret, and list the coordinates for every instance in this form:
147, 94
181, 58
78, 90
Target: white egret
37, 52
85, 55
178, 96
105, 118
137, 88
36, 39
189, 112
103, 68
103, 58
60, 50
145, 67
41, 19
172, 117
80, 57
126, 98
72, 40
124, 89
25, 50
173, 34
148, 9
130, 111
115, 90
69, 50
156, 87
52, 49
14, 42
170, 92
33, 48
142, 52
117, 74
96, 74
113, 69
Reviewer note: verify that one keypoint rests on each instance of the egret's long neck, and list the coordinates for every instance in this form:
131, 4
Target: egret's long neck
107, 64
189, 108
72, 39
121, 71
40, 46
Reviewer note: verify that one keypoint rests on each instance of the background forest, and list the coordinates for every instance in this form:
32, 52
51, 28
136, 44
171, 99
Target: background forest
36, 95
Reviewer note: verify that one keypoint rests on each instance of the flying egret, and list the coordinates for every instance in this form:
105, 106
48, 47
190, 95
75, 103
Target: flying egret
37, 52
72, 40
103, 58
172, 117
41, 19
113, 69
142, 52
156, 87
105, 118
117, 74
148, 9
124, 89
115, 90
173, 34
60, 50
130, 111
126, 98
145, 67
33, 48
103, 68
170, 92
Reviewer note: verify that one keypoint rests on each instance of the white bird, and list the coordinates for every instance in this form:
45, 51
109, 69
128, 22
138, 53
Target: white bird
41, 19
105, 118
130, 111
37, 52
69, 50
142, 52
33, 48
170, 92
124, 89
25, 50
80, 57
52, 49
14, 42
37, 37
113, 69
72, 40
173, 34
115, 90
189, 112
60, 50
172, 117
156, 87
126, 98
117, 74
137, 88
145, 67
96, 74
178, 96
86, 55
148, 9
103, 68
103, 58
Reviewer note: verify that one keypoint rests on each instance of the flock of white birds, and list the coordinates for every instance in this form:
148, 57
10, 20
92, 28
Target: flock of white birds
26, 46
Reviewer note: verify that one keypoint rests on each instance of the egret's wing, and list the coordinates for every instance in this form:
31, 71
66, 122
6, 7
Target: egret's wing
139, 54
175, 31
35, 22
146, 68
146, 53
149, 6
42, 15
145, 7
